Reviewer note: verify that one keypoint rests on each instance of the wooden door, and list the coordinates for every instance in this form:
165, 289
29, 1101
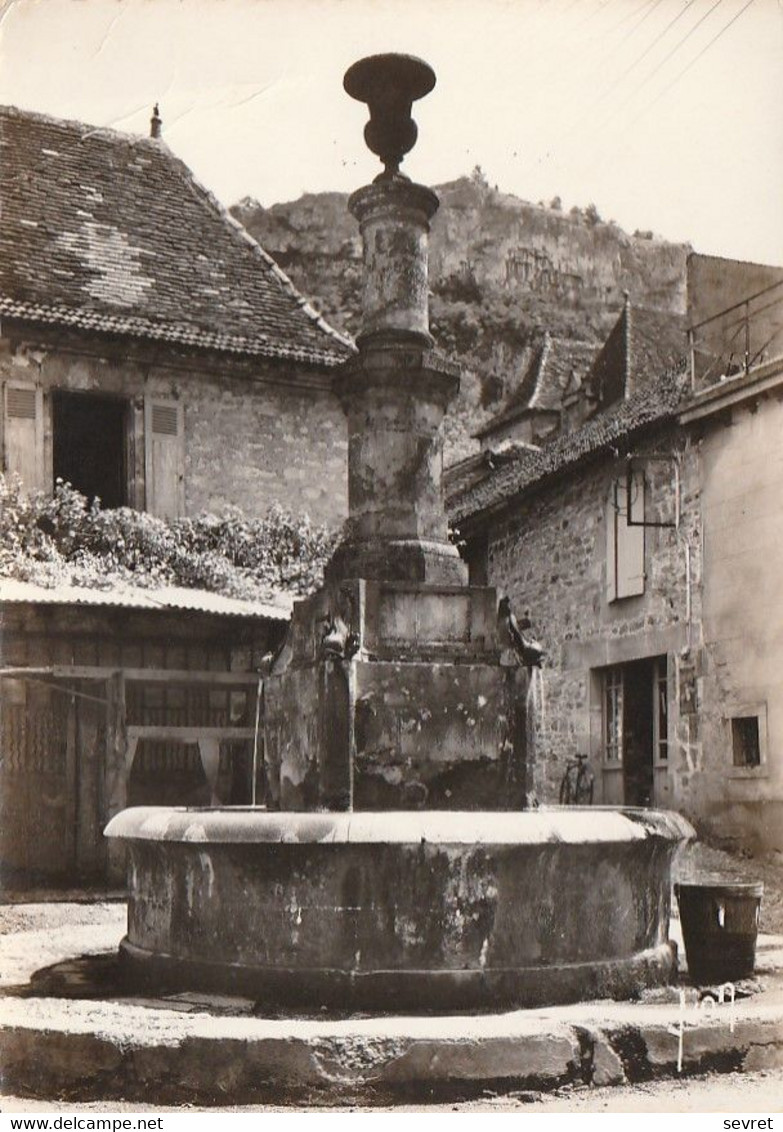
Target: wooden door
38, 781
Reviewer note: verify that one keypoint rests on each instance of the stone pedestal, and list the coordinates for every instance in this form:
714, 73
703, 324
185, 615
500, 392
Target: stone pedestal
421, 715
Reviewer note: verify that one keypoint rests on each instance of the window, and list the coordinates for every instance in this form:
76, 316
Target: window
745, 743
660, 711
89, 445
625, 538
613, 715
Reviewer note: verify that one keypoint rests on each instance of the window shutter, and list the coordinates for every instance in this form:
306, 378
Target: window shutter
164, 452
23, 434
611, 542
630, 539
625, 544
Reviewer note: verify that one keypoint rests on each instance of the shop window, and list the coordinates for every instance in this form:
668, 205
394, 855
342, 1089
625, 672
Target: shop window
613, 715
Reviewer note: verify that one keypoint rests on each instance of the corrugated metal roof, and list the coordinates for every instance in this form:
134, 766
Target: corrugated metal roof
133, 597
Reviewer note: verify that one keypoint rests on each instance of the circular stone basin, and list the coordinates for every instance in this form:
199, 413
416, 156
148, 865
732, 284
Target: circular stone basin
400, 911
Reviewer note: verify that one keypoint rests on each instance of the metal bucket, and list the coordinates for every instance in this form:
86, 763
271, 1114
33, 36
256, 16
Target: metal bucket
720, 923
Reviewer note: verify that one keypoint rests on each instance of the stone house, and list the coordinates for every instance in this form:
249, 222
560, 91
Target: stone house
154, 356
151, 353
643, 536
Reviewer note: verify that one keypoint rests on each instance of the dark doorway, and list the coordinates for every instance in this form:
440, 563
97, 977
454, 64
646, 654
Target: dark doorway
89, 445
638, 733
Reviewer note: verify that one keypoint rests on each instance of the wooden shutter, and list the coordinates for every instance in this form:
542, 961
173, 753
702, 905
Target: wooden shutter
611, 543
625, 543
23, 434
164, 464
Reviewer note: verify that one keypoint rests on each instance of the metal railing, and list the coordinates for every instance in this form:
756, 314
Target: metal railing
737, 338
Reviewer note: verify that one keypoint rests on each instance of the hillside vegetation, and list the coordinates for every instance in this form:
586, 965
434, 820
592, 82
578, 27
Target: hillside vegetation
501, 272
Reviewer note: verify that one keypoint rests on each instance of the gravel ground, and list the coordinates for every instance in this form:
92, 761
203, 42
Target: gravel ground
43, 915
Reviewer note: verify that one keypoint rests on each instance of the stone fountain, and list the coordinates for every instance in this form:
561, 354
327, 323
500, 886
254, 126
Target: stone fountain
395, 867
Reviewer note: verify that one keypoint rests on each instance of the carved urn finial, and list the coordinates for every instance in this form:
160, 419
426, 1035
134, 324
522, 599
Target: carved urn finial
389, 84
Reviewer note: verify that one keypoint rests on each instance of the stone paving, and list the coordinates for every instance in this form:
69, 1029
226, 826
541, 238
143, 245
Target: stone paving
68, 1030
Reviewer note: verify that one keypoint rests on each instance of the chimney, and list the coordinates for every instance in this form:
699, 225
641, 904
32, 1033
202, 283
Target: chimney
156, 122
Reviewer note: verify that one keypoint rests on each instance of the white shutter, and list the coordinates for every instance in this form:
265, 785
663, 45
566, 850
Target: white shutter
625, 543
611, 542
164, 457
630, 539
23, 434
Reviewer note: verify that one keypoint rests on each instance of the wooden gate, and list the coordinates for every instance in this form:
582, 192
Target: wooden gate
38, 784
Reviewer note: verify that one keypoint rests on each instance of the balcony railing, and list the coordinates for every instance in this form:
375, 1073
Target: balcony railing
738, 338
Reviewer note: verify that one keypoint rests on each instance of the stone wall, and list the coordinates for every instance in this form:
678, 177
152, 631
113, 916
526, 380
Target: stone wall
743, 614
550, 555
253, 444
254, 433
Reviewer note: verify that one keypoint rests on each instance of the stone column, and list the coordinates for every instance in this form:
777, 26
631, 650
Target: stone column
395, 394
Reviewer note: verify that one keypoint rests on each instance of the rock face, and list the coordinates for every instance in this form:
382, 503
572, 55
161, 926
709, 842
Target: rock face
501, 272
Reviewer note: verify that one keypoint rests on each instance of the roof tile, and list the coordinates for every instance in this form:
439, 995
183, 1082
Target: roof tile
102, 231
524, 468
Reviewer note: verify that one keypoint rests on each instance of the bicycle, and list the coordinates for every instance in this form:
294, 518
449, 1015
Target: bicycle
578, 783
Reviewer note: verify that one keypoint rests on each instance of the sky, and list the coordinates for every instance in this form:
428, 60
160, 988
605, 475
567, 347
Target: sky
666, 114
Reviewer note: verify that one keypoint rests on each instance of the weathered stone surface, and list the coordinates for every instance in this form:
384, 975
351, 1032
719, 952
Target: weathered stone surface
400, 910
394, 221
606, 1068
422, 714
395, 395
705, 1039
437, 736
120, 1049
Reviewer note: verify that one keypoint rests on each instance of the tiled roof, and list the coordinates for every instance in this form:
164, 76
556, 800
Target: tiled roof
641, 345
544, 381
112, 234
655, 403
133, 597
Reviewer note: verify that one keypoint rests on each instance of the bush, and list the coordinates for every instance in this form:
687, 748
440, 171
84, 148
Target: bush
64, 539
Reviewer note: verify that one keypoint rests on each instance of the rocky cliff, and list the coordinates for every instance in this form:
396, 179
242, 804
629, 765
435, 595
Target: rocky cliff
502, 271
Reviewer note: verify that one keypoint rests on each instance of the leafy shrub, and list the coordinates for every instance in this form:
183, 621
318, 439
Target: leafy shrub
64, 539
